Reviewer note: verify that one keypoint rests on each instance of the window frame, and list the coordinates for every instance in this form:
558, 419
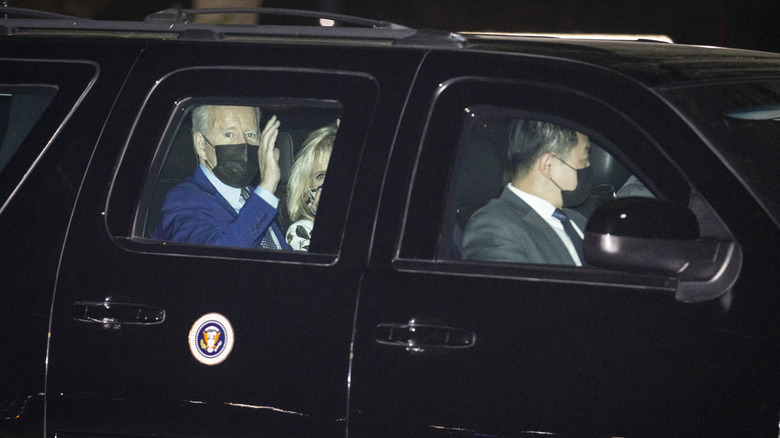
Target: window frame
180, 120
33, 114
72, 80
161, 111
431, 190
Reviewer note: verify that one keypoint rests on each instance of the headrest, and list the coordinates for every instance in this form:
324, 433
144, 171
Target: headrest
284, 143
181, 160
482, 162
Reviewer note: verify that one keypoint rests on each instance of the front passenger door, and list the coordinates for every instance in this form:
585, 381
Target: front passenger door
447, 347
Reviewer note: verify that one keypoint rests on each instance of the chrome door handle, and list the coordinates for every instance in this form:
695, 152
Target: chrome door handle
114, 314
424, 337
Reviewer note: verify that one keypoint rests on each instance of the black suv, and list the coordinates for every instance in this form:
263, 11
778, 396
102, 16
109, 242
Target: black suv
383, 327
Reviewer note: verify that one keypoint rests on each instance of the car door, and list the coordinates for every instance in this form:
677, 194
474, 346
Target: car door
446, 346
131, 312
43, 153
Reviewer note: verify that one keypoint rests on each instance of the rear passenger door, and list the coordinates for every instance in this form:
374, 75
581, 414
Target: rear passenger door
44, 102
447, 346
136, 320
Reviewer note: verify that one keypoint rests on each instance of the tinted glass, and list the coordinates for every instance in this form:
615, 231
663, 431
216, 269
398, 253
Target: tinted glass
20, 109
491, 203
743, 121
464, 165
199, 157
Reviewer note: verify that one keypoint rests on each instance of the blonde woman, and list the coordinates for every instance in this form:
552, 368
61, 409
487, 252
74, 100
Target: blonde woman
305, 185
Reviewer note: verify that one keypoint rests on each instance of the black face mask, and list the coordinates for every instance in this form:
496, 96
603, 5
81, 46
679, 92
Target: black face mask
312, 195
237, 164
578, 196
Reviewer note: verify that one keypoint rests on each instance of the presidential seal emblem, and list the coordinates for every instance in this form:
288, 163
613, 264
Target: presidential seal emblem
211, 339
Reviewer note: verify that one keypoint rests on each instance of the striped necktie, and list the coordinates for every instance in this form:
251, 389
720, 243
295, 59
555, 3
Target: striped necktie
268, 239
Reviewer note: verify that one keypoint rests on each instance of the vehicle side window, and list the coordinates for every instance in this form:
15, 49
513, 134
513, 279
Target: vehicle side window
20, 109
471, 190
232, 162
523, 187
37, 97
246, 174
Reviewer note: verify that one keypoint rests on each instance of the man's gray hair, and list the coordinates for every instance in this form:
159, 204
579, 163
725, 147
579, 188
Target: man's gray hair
200, 118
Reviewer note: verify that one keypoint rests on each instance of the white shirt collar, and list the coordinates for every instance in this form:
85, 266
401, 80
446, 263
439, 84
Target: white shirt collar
545, 210
540, 206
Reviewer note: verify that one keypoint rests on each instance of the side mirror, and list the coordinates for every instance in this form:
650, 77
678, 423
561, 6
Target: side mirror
650, 236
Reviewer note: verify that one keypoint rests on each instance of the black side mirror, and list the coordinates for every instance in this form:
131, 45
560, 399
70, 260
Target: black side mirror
650, 236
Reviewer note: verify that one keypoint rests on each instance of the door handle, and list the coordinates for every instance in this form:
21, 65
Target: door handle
419, 337
113, 314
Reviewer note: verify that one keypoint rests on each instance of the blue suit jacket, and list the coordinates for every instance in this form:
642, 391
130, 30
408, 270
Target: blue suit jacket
509, 230
195, 212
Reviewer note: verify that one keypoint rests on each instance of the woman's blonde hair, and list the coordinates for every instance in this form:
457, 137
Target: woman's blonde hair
318, 144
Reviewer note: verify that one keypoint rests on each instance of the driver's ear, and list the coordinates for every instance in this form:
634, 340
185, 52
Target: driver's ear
545, 164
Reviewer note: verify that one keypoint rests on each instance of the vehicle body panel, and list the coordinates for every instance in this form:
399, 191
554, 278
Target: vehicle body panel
383, 334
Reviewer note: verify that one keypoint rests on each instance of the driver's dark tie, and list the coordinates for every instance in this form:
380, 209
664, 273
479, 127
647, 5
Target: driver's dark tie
576, 240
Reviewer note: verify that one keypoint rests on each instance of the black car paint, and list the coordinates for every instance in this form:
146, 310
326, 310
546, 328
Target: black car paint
297, 316
569, 352
576, 338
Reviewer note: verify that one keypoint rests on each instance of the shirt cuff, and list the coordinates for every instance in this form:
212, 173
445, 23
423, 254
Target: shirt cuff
267, 196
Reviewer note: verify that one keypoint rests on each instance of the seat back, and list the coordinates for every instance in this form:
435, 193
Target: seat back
179, 164
286, 146
480, 173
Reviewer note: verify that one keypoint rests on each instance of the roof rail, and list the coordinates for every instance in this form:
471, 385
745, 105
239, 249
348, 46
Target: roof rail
5, 11
185, 16
578, 36
180, 22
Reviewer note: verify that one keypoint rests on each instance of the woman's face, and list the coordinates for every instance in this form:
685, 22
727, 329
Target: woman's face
317, 178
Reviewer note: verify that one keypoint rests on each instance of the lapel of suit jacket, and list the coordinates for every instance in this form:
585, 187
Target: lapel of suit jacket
203, 182
554, 247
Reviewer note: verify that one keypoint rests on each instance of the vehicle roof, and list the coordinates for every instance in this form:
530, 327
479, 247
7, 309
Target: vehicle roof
641, 57
655, 63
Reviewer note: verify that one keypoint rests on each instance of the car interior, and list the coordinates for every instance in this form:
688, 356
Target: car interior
482, 170
179, 162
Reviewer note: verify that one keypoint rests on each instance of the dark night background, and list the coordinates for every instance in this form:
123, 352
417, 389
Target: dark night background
750, 24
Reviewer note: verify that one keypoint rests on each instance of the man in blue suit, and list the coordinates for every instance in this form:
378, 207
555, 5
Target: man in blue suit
530, 221
217, 205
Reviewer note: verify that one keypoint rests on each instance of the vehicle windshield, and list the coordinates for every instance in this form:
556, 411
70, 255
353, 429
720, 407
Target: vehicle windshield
743, 121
